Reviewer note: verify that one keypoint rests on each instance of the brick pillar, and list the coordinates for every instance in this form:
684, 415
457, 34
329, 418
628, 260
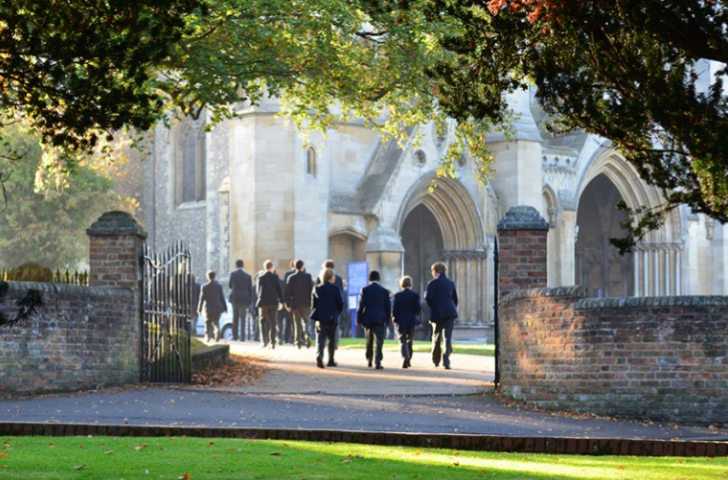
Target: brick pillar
117, 241
522, 257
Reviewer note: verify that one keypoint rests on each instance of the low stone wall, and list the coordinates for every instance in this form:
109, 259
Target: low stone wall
82, 338
660, 358
210, 357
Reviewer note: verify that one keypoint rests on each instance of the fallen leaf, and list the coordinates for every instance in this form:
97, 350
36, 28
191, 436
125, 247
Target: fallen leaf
79, 467
346, 461
456, 463
3, 455
277, 454
109, 452
186, 476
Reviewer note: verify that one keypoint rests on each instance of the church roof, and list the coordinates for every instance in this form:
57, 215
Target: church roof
381, 167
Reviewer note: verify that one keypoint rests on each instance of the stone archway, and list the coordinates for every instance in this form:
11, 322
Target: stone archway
599, 266
657, 258
422, 242
449, 216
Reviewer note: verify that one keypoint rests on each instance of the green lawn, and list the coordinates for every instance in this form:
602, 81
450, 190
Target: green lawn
422, 346
100, 458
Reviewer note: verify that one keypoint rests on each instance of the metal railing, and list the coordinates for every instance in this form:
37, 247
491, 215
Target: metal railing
45, 276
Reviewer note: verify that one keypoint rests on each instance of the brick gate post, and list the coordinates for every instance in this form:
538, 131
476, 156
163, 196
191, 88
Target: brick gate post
522, 235
117, 243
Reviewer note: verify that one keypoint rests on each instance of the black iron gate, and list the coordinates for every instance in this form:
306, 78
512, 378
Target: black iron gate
167, 310
496, 322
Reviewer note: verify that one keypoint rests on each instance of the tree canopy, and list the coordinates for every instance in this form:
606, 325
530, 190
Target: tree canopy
47, 225
79, 69
627, 70
632, 71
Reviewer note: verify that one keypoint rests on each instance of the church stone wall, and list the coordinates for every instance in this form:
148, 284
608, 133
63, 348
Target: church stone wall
170, 222
659, 358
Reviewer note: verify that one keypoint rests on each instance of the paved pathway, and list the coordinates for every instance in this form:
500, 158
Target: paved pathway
295, 372
354, 398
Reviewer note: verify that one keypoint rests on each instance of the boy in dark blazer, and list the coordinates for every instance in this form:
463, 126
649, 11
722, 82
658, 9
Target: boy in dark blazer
269, 301
442, 298
374, 312
327, 305
212, 304
299, 289
406, 313
241, 295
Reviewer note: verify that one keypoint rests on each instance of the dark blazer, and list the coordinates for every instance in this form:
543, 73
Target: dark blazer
288, 274
212, 299
375, 307
442, 298
298, 290
241, 287
406, 308
338, 281
268, 290
327, 303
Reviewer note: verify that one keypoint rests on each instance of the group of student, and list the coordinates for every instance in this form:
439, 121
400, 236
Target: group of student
321, 302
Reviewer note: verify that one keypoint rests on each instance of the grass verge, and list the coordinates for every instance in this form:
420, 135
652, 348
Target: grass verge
423, 346
80, 458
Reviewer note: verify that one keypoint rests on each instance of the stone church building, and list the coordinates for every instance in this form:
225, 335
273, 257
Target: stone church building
251, 189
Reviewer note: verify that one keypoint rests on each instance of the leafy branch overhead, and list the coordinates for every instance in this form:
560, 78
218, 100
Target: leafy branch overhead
633, 71
26, 306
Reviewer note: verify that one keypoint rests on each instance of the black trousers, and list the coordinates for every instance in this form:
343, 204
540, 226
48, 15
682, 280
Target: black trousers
374, 335
406, 337
325, 331
442, 328
267, 319
240, 312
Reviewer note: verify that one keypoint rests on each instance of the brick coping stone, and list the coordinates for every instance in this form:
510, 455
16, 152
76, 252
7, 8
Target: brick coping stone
581, 301
59, 288
492, 443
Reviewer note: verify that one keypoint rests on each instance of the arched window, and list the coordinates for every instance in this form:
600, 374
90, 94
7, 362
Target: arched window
191, 164
311, 161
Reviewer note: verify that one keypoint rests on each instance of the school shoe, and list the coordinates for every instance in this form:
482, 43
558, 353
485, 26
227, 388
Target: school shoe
379, 367
332, 363
369, 364
319, 362
404, 364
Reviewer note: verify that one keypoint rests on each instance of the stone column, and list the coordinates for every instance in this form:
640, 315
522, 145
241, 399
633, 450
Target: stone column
522, 239
385, 254
636, 266
117, 243
668, 268
658, 280
678, 267
646, 271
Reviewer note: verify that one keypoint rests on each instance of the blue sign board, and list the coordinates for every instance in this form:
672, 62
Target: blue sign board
358, 278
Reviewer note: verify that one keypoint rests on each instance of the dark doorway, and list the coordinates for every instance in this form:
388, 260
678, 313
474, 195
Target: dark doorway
599, 266
422, 241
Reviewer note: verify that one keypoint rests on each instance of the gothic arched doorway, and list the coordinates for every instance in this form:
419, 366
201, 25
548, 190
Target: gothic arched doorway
422, 241
599, 266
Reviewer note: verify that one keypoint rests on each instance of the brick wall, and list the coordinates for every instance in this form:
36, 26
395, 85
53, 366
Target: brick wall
82, 338
522, 260
522, 242
661, 358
